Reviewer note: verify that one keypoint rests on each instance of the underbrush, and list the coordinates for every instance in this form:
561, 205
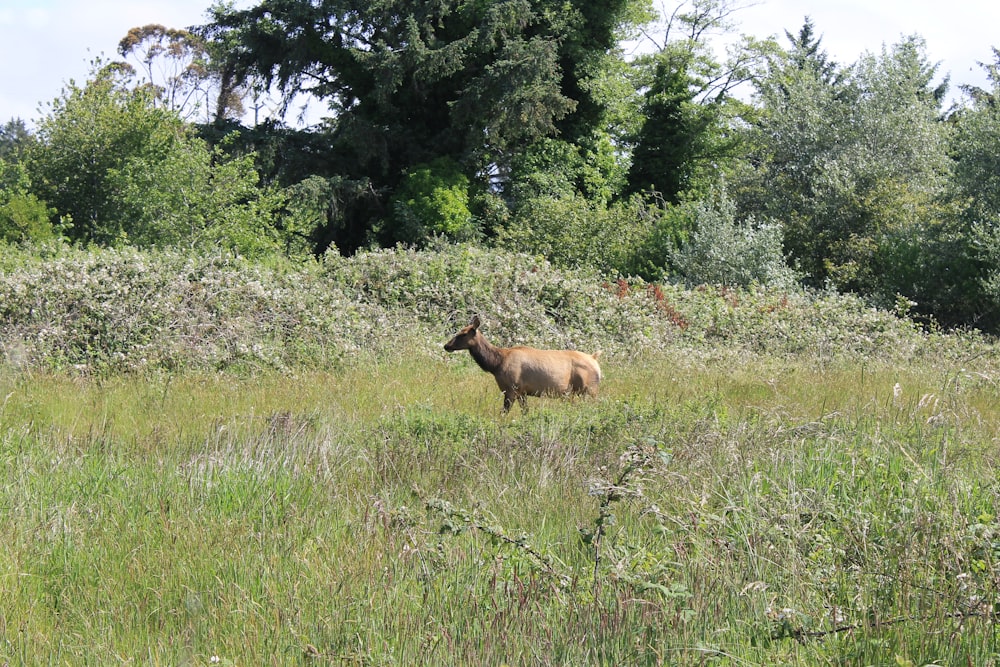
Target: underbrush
110, 311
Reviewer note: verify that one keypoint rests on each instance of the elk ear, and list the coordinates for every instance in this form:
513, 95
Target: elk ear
475, 322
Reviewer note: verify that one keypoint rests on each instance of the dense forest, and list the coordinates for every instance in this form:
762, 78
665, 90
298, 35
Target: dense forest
527, 125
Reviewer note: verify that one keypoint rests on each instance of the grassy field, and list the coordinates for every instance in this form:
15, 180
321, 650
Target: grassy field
209, 461
732, 510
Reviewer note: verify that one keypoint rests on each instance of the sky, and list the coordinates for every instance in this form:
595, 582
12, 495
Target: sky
46, 43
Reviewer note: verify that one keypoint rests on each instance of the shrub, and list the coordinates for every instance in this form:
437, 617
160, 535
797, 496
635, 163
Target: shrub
432, 201
23, 216
128, 310
573, 232
197, 197
724, 251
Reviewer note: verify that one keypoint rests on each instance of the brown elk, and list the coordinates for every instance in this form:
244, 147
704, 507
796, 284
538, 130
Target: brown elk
524, 371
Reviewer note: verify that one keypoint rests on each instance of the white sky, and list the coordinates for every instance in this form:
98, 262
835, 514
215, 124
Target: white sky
959, 34
45, 43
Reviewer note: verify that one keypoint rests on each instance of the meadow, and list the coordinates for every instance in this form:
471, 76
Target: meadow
247, 465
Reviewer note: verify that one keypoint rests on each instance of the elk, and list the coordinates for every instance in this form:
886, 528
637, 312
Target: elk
524, 371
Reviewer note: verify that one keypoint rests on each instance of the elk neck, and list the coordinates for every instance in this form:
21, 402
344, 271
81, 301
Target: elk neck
488, 356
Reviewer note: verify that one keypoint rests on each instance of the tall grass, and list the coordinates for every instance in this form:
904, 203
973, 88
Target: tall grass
699, 511
207, 461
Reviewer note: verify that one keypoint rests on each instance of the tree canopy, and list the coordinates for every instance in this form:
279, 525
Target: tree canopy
406, 83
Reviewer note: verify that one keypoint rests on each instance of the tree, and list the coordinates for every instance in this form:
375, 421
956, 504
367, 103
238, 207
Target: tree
685, 138
852, 163
679, 134
432, 201
178, 67
977, 164
475, 82
89, 132
124, 170
23, 217
975, 236
807, 55
195, 196
14, 140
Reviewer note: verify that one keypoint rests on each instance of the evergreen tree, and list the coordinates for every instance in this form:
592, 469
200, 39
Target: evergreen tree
685, 137
679, 133
806, 54
476, 82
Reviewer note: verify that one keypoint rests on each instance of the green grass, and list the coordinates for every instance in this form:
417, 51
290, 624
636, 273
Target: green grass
729, 511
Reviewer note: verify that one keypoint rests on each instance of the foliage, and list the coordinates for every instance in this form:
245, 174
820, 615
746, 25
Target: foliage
475, 83
672, 144
14, 141
573, 232
976, 161
111, 310
976, 189
124, 170
89, 133
195, 197
722, 250
849, 162
557, 169
684, 138
523, 126
432, 201
126, 309
23, 217
986, 244
316, 207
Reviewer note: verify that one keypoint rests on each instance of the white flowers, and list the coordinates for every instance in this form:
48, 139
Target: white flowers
126, 310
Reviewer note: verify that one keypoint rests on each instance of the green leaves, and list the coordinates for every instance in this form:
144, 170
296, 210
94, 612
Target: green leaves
432, 201
126, 171
23, 217
849, 161
473, 83
90, 132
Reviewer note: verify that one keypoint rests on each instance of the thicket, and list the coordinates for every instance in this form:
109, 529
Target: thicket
114, 310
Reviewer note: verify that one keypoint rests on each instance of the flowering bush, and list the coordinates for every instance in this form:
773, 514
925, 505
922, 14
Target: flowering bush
128, 310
